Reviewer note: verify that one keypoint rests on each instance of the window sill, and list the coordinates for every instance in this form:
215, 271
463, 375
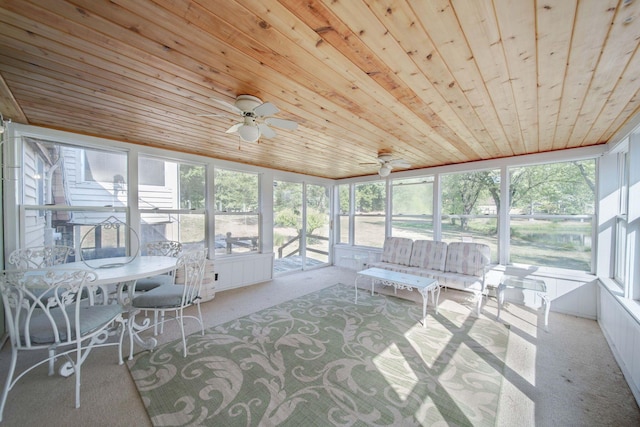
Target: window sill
631, 306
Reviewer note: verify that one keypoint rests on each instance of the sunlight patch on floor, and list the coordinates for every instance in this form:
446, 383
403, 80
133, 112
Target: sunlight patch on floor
396, 371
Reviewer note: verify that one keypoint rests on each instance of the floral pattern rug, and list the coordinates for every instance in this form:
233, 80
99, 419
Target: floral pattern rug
322, 360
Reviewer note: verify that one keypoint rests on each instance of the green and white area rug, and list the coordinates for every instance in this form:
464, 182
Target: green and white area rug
321, 360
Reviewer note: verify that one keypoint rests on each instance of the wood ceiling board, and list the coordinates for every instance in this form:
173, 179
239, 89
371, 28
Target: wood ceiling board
593, 21
436, 82
444, 38
619, 99
342, 38
619, 47
516, 22
478, 22
366, 33
554, 26
9, 107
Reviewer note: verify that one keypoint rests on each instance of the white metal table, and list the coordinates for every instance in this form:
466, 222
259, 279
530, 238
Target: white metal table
424, 285
123, 272
525, 284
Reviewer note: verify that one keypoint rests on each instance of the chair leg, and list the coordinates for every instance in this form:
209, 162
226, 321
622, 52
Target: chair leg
161, 322
76, 368
52, 361
8, 386
121, 327
200, 319
130, 322
180, 315
155, 323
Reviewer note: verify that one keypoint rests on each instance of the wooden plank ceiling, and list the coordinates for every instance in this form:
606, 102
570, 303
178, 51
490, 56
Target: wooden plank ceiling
432, 82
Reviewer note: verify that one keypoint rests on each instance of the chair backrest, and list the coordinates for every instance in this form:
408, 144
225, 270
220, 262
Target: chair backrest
42, 307
429, 254
190, 269
397, 250
164, 248
468, 258
40, 257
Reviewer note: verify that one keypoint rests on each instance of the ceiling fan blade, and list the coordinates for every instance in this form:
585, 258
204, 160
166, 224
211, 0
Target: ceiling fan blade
399, 163
266, 131
282, 123
228, 105
211, 115
266, 109
234, 128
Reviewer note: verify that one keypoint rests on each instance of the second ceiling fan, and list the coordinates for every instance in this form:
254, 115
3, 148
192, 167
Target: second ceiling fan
387, 162
255, 118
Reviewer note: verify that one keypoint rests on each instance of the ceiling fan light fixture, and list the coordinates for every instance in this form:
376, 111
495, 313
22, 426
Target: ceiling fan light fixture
384, 171
249, 133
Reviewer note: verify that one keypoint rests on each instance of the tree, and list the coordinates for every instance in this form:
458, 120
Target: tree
461, 192
370, 197
192, 185
236, 191
558, 188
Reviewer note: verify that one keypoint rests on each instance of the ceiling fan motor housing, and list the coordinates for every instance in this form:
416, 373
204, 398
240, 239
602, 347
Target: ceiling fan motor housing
247, 103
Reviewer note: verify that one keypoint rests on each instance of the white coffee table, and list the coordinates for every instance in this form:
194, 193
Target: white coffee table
525, 284
424, 285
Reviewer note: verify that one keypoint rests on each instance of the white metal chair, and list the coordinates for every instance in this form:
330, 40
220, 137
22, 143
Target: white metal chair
174, 298
49, 310
40, 256
161, 248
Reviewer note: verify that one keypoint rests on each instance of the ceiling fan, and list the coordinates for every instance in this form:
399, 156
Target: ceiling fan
255, 122
387, 162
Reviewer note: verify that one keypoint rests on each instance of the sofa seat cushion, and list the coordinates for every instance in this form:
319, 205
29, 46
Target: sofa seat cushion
389, 266
397, 250
428, 254
467, 258
461, 281
424, 272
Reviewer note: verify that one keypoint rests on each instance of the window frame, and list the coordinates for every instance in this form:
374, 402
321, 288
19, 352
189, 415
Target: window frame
257, 213
173, 211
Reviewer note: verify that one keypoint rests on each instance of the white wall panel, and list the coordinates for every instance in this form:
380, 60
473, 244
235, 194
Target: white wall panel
622, 332
235, 272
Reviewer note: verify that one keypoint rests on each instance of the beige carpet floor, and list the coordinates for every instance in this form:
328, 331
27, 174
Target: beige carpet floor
564, 377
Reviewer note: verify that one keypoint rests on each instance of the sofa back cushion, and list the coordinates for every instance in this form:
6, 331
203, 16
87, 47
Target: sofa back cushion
397, 250
467, 258
429, 254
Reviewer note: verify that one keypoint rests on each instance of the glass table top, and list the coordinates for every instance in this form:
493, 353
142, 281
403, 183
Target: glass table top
523, 283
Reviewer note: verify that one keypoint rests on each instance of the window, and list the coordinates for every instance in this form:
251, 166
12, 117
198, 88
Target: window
237, 217
343, 214
412, 208
370, 212
316, 224
59, 204
40, 179
620, 250
172, 204
153, 172
287, 219
470, 203
103, 166
551, 214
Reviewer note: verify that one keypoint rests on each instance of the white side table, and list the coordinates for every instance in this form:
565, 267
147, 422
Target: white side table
358, 261
525, 284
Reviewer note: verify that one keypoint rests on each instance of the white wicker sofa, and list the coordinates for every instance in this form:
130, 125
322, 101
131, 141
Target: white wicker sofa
458, 265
